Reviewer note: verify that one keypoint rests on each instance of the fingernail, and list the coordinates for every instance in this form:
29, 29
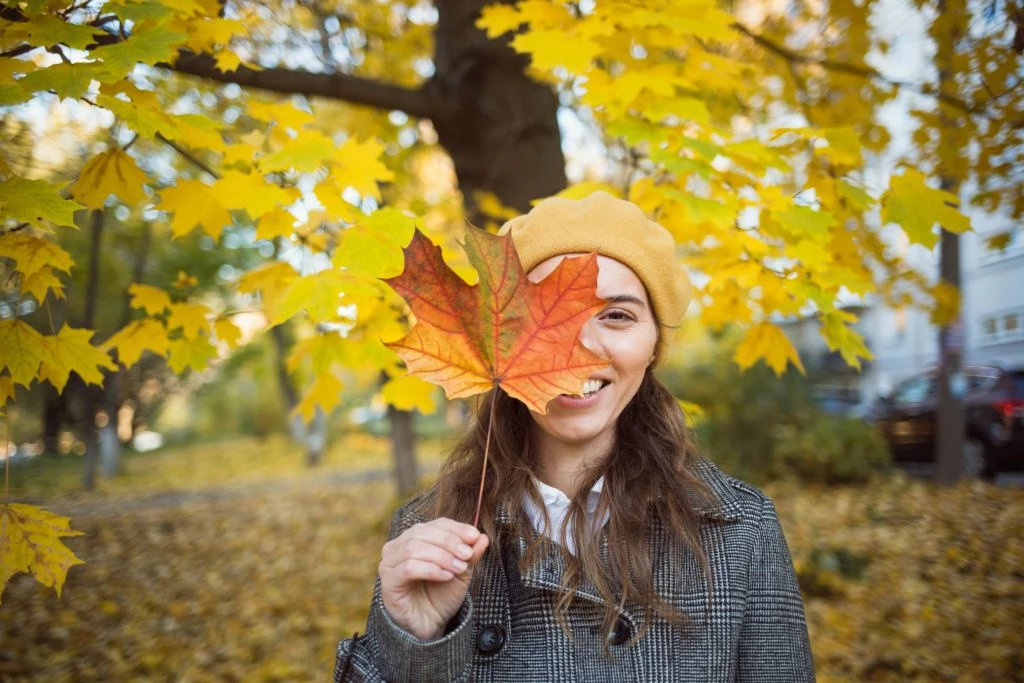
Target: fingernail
459, 565
464, 551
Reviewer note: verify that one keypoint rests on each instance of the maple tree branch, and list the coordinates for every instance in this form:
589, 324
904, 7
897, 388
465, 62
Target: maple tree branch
863, 71
336, 86
187, 155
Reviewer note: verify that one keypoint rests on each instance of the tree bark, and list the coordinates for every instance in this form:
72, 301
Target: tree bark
403, 450
92, 397
313, 437
950, 427
499, 126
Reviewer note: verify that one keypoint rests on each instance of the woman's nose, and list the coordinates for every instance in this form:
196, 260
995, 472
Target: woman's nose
589, 336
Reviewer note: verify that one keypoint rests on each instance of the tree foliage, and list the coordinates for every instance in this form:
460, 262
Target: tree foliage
749, 133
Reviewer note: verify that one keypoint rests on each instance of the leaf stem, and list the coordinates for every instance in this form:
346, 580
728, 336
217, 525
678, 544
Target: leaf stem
487, 448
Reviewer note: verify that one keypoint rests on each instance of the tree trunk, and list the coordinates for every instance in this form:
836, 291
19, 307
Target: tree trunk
92, 397
950, 420
501, 130
313, 437
403, 450
500, 127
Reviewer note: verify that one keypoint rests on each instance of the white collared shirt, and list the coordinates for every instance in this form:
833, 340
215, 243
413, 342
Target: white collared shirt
557, 504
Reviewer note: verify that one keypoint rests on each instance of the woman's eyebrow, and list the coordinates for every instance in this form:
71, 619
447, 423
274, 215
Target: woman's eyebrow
624, 299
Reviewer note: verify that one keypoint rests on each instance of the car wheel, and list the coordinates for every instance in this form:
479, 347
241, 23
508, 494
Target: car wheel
975, 460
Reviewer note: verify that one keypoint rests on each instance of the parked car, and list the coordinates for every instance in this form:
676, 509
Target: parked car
994, 412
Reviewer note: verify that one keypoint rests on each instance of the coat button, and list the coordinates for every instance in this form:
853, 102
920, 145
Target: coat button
492, 638
620, 632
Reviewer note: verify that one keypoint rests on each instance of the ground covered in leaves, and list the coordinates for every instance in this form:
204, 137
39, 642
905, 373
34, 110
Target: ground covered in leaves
258, 580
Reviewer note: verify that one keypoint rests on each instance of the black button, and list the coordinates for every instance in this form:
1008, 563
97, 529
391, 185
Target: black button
620, 632
492, 638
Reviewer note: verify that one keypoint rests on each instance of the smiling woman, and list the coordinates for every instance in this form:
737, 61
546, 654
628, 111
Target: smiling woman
608, 548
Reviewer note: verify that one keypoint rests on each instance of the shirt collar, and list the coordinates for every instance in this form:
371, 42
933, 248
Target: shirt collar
724, 504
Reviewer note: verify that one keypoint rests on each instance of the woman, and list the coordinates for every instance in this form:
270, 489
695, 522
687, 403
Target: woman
610, 550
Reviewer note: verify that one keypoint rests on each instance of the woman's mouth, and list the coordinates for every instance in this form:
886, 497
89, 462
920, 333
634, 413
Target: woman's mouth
589, 395
591, 387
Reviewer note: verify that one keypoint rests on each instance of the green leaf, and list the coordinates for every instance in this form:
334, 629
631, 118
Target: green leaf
803, 221
374, 246
148, 46
47, 30
35, 201
67, 80
915, 206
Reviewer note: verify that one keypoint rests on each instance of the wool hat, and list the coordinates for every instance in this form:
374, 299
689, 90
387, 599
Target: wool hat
615, 228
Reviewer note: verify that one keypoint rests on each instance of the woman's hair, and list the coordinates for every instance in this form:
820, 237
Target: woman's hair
650, 473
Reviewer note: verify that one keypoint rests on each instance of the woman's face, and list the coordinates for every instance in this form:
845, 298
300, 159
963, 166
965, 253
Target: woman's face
625, 333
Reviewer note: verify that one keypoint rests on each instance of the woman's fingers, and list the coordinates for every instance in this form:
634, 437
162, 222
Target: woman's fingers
412, 542
420, 570
467, 532
479, 548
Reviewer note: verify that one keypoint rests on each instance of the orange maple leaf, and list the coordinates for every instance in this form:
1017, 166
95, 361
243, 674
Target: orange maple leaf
505, 331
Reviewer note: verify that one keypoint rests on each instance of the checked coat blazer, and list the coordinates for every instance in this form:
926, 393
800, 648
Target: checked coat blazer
754, 628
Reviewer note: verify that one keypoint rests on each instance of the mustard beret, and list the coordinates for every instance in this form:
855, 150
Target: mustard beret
615, 228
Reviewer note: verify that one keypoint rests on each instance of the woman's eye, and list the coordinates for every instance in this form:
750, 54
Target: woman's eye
618, 315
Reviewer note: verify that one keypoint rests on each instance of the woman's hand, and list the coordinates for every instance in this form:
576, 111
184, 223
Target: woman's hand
425, 573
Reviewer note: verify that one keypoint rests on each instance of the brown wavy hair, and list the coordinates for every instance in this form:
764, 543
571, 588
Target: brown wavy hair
650, 473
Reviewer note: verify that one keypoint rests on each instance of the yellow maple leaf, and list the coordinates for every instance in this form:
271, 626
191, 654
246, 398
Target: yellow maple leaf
148, 334
318, 294
153, 300
766, 341
917, 208
185, 281
191, 318
204, 35
227, 332
947, 304
21, 351
227, 60
408, 393
329, 194
30, 541
374, 245
278, 222
193, 203
7, 389
358, 165
107, 173
839, 336
43, 282
308, 152
32, 254
250, 191
322, 349
325, 392
192, 353
271, 280
281, 113
70, 351
549, 49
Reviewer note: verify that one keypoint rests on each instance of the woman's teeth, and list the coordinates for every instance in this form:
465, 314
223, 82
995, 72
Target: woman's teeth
591, 387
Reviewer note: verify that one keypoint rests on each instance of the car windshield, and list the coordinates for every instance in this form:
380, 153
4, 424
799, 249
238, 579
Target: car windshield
915, 390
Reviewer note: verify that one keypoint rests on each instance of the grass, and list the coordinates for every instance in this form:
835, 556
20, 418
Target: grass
227, 463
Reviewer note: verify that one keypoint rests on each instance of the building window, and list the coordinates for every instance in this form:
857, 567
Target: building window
1006, 326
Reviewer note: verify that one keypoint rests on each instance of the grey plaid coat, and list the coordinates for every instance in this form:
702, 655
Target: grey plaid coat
755, 629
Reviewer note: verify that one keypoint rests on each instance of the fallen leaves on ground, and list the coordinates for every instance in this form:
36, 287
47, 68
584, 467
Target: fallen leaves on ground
904, 582
907, 581
254, 586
